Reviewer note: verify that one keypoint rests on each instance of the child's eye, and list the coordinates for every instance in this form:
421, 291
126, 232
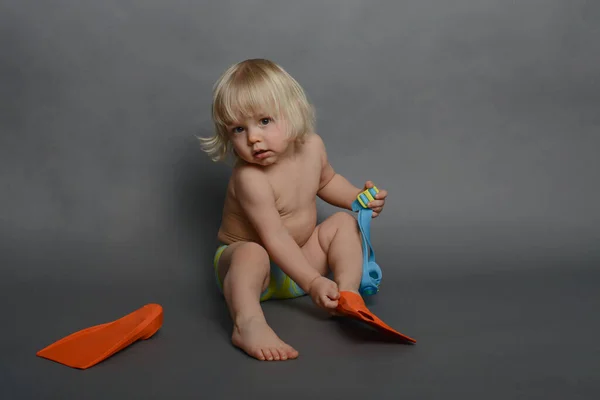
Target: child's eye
265, 121
237, 129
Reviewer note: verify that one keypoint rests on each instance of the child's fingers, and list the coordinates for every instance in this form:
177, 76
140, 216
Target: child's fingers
329, 299
376, 203
325, 302
328, 303
382, 194
333, 291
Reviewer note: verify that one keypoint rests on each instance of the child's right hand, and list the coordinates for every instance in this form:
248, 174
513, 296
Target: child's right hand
324, 293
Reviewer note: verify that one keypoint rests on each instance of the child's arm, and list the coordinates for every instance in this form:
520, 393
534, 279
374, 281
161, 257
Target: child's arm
334, 188
257, 199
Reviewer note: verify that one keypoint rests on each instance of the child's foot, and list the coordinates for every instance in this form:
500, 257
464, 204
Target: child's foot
256, 338
334, 312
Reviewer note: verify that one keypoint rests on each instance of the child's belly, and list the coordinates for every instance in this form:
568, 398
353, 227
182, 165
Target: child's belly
300, 224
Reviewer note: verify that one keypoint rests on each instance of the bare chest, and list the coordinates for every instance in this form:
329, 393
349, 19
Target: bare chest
296, 185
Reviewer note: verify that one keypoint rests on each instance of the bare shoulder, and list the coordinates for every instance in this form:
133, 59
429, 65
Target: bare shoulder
316, 145
250, 181
251, 185
315, 142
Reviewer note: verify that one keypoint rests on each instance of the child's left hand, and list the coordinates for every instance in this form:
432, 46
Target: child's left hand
377, 204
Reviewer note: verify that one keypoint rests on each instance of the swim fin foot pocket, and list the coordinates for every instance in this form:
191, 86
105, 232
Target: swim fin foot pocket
90, 346
352, 305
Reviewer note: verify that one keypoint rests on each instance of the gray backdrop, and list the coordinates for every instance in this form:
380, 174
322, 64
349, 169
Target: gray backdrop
481, 119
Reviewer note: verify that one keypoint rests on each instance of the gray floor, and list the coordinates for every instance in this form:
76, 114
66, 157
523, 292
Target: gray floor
479, 118
517, 330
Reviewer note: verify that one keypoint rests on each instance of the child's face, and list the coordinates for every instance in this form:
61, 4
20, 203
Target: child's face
259, 140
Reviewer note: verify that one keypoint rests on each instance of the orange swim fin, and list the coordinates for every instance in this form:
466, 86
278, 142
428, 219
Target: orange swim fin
88, 347
352, 304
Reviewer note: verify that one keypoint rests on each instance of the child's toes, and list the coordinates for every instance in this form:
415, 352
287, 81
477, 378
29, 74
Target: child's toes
290, 352
282, 353
267, 353
258, 353
276, 354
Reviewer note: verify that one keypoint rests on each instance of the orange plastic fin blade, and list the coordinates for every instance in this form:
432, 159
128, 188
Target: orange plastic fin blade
353, 305
89, 346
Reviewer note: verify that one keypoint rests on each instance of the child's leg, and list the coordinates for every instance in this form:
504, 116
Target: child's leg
244, 270
336, 243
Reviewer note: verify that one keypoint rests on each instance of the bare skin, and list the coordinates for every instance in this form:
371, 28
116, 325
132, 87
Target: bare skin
270, 212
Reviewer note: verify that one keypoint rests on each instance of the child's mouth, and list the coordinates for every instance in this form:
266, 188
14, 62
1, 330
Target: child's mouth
260, 153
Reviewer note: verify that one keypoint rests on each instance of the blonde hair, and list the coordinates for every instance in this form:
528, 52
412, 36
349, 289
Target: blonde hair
254, 86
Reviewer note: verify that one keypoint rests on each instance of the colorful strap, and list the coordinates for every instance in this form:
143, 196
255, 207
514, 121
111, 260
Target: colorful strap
371, 275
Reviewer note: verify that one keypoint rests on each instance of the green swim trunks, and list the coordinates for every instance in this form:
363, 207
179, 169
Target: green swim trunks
280, 286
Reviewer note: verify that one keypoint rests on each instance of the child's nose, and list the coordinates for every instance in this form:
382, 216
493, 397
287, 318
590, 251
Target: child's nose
254, 135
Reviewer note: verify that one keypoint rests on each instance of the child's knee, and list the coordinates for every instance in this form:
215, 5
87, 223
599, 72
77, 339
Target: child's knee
345, 221
333, 225
252, 258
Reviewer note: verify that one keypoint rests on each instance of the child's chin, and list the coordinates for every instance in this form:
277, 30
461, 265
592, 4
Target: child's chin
265, 161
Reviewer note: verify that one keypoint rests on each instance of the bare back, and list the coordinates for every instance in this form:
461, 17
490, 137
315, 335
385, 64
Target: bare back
295, 182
